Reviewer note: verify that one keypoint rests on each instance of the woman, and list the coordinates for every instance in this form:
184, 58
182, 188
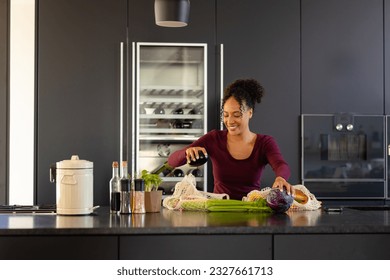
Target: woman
238, 155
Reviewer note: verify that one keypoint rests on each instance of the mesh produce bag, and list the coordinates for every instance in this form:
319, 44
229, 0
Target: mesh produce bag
307, 200
187, 197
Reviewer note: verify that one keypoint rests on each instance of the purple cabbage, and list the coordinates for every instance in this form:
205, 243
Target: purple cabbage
279, 201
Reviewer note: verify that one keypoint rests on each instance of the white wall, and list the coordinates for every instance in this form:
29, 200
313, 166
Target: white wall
22, 56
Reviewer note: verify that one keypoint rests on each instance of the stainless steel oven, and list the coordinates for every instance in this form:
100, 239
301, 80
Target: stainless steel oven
343, 156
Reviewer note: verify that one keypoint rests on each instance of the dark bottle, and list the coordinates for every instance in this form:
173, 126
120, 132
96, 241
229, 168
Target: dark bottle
178, 111
125, 196
181, 124
159, 110
115, 195
196, 172
178, 173
199, 161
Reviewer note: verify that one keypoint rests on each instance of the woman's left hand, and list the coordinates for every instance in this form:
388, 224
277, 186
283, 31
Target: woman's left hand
281, 184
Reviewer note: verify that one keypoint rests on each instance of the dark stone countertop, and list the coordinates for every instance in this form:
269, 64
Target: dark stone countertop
101, 222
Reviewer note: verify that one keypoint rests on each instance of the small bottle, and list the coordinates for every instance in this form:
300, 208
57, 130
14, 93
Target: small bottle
115, 195
125, 196
178, 173
125, 172
196, 172
139, 196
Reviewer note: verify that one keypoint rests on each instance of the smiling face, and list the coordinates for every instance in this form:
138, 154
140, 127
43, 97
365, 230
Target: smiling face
236, 117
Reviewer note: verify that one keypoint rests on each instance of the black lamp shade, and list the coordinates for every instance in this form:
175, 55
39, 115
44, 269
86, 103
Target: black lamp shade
172, 13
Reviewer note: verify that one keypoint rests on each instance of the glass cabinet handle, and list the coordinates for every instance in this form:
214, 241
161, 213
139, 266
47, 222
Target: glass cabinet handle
221, 82
121, 115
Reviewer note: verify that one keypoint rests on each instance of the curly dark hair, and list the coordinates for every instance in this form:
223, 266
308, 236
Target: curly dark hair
246, 91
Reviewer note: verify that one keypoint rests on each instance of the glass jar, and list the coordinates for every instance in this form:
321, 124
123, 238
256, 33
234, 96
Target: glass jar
139, 196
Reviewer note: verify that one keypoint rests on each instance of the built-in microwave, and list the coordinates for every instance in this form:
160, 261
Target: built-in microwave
343, 155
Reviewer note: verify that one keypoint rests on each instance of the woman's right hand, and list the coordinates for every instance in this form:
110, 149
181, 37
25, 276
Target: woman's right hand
192, 153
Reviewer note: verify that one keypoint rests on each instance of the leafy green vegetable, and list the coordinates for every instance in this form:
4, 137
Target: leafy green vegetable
152, 181
226, 205
231, 205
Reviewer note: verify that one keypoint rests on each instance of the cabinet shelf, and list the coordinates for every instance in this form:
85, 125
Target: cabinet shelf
170, 61
167, 99
171, 131
168, 138
170, 116
178, 179
172, 91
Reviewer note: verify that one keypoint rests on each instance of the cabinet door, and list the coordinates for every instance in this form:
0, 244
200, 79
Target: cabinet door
387, 56
332, 247
78, 87
201, 29
195, 247
171, 100
58, 247
3, 97
342, 56
261, 41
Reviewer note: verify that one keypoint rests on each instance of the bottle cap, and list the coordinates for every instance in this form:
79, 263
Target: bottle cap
139, 185
74, 163
115, 164
125, 185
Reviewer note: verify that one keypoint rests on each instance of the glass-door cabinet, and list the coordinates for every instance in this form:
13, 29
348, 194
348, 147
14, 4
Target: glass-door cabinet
170, 106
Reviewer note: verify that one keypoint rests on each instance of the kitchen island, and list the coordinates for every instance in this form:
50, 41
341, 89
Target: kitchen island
350, 234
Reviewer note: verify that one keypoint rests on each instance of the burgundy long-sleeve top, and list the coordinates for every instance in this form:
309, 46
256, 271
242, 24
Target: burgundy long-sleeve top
236, 177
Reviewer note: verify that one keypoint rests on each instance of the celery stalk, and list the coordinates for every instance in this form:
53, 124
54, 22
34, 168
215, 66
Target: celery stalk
237, 205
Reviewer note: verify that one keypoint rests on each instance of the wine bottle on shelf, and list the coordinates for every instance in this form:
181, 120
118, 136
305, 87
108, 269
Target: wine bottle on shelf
181, 124
115, 189
177, 111
196, 172
178, 173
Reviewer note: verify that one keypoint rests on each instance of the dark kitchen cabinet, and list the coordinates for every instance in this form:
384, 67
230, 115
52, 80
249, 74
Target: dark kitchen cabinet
387, 56
342, 56
78, 77
261, 41
332, 247
58, 247
211, 247
3, 97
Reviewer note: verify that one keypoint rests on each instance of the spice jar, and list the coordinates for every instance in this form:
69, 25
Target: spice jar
139, 196
125, 196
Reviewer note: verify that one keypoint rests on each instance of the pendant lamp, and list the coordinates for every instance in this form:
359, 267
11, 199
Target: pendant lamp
172, 13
